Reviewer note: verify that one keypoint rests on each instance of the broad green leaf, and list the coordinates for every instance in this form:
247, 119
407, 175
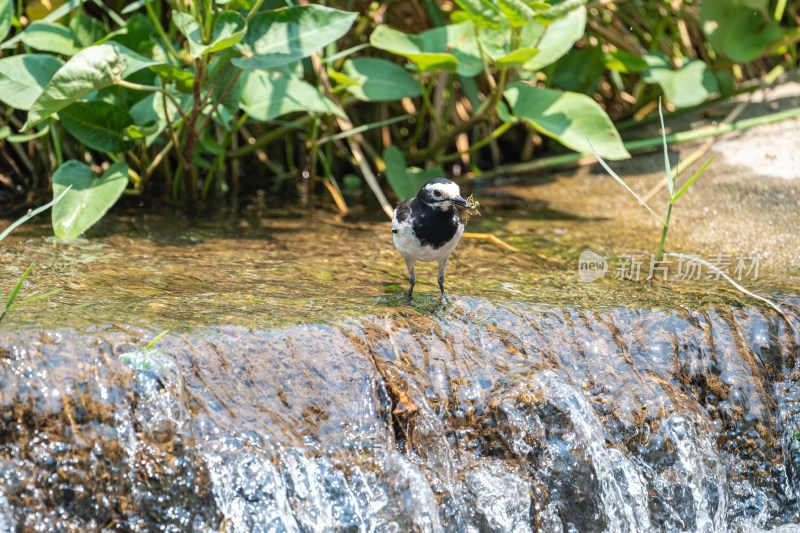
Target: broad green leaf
687, 86
87, 30
741, 30
229, 29
137, 34
6, 16
414, 48
552, 40
50, 37
578, 71
87, 71
183, 79
283, 36
483, 13
517, 57
624, 62
88, 199
377, 80
267, 95
495, 42
546, 13
451, 48
406, 181
98, 125
569, 118
516, 11
24, 77
54, 15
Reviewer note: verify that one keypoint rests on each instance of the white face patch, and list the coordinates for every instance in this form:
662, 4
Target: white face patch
448, 190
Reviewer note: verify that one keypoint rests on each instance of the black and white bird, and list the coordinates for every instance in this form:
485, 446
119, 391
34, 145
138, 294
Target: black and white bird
427, 227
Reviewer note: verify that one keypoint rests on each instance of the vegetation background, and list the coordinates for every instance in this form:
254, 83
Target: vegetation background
194, 102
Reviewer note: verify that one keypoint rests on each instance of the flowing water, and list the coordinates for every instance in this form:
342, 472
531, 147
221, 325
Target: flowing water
297, 391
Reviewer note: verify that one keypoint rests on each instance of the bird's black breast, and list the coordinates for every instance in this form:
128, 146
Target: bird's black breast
433, 227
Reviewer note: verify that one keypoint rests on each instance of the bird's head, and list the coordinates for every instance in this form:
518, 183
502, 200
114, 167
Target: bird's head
441, 193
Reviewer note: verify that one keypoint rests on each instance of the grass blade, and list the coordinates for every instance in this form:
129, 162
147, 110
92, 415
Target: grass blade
158, 337
614, 175
32, 214
670, 181
691, 180
16, 289
29, 300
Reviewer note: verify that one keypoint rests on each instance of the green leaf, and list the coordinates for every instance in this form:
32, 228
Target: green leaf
24, 77
87, 30
377, 80
691, 180
98, 125
739, 29
567, 117
413, 48
668, 171
6, 16
406, 181
451, 48
624, 62
88, 199
229, 29
183, 79
496, 44
517, 57
17, 287
49, 37
553, 40
688, 86
137, 34
482, 13
622, 182
283, 36
267, 95
516, 11
87, 71
30, 214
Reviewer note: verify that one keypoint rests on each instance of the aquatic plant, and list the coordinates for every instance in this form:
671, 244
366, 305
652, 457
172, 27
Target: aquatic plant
173, 99
10, 305
671, 182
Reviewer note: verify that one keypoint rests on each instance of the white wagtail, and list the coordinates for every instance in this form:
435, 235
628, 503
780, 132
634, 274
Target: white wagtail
427, 227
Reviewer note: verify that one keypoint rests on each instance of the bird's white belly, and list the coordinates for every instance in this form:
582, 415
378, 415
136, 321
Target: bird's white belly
409, 247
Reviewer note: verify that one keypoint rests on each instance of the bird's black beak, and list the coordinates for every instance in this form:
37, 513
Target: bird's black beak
460, 201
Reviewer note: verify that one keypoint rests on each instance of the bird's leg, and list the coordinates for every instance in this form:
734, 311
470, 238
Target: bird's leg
412, 277
440, 278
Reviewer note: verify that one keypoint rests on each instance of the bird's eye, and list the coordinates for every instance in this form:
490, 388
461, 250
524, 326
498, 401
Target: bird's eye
437, 193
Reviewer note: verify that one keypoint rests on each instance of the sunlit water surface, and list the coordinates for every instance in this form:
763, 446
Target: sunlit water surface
297, 391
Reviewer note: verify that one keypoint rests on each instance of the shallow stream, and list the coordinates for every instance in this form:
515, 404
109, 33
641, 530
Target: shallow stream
297, 391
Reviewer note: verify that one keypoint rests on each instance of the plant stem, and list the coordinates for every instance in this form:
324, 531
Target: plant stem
154, 89
161, 33
660, 255
484, 111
